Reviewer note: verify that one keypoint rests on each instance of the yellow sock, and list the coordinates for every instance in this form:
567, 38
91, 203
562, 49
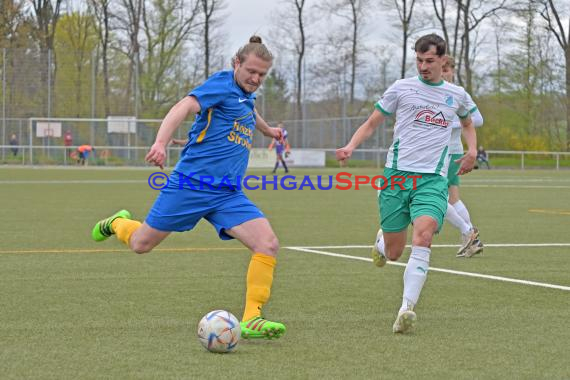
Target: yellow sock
124, 228
259, 280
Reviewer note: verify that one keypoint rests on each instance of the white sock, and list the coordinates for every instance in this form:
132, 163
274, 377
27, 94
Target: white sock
453, 217
415, 276
462, 210
380, 245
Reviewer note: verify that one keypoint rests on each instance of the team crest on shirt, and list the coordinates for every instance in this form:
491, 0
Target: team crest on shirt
449, 100
431, 119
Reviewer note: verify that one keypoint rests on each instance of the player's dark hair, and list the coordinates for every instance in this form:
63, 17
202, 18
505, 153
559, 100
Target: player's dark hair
254, 46
424, 43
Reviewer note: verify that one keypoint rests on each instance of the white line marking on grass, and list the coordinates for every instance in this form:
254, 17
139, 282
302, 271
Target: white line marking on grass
498, 245
551, 212
460, 273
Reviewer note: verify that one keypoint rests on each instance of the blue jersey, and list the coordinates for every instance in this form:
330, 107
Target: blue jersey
220, 139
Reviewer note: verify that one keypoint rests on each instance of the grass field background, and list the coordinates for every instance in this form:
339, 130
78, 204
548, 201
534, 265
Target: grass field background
71, 308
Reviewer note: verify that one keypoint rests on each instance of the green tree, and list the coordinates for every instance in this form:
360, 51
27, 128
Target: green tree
167, 26
75, 42
274, 101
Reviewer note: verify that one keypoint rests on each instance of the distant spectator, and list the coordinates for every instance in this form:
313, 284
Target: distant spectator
282, 148
68, 142
14, 143
483, 157
83, 154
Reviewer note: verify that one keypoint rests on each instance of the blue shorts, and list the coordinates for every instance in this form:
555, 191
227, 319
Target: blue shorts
180, 210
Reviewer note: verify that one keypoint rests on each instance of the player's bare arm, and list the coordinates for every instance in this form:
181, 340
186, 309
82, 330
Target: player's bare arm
177, 114
180, 142
470, 137
265, 129
364, 132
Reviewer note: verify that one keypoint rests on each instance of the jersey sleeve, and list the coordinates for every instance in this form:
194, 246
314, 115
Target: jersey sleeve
466, 106
476, 117
388, 103
212, 92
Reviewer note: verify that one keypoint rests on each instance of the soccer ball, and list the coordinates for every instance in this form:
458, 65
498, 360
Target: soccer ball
219, 331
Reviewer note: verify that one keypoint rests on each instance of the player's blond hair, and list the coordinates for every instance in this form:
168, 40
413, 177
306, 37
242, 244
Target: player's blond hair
450, 61
254, 46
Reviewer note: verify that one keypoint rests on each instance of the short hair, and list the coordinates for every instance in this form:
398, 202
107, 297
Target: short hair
424, 43
255, 46
450, 61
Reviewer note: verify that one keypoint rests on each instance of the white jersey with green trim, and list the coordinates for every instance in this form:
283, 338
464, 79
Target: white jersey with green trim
455, 144
424, 112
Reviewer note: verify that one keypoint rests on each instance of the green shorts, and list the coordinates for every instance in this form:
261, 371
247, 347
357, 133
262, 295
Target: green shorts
398, 208
452, 177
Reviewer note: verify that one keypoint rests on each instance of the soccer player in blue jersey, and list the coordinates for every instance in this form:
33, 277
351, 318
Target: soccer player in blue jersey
282, 149
206, 181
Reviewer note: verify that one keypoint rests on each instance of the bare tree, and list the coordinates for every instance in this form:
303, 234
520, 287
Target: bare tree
290, 36
209, 10
101, 11
473, 13
331, 84
499, 29
300, 48
129, 18
440, 11
46, 14
551, 14
456, 31
441, 8
405, 10
354, 12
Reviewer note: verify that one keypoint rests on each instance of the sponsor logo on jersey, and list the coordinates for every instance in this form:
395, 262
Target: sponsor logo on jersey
430, 118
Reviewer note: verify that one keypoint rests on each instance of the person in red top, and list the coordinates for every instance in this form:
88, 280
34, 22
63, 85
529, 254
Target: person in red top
67, 142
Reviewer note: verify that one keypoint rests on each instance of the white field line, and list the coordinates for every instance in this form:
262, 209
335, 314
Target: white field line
498, 245
460, 273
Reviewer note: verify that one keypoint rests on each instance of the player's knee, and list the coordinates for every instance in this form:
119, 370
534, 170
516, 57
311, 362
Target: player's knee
269, 245
393, 253
423, 238
141, 247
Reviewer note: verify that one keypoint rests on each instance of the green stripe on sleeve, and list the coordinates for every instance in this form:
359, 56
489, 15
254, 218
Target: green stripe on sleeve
379, 108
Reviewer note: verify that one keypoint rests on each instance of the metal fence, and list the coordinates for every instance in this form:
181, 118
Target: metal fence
37, 141
23, 142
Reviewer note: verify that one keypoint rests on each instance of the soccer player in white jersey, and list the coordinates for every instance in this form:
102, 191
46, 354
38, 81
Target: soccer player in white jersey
424, 106
457, 214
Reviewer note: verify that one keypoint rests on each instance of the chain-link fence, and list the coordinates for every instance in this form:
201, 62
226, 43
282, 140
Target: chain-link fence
125, 141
